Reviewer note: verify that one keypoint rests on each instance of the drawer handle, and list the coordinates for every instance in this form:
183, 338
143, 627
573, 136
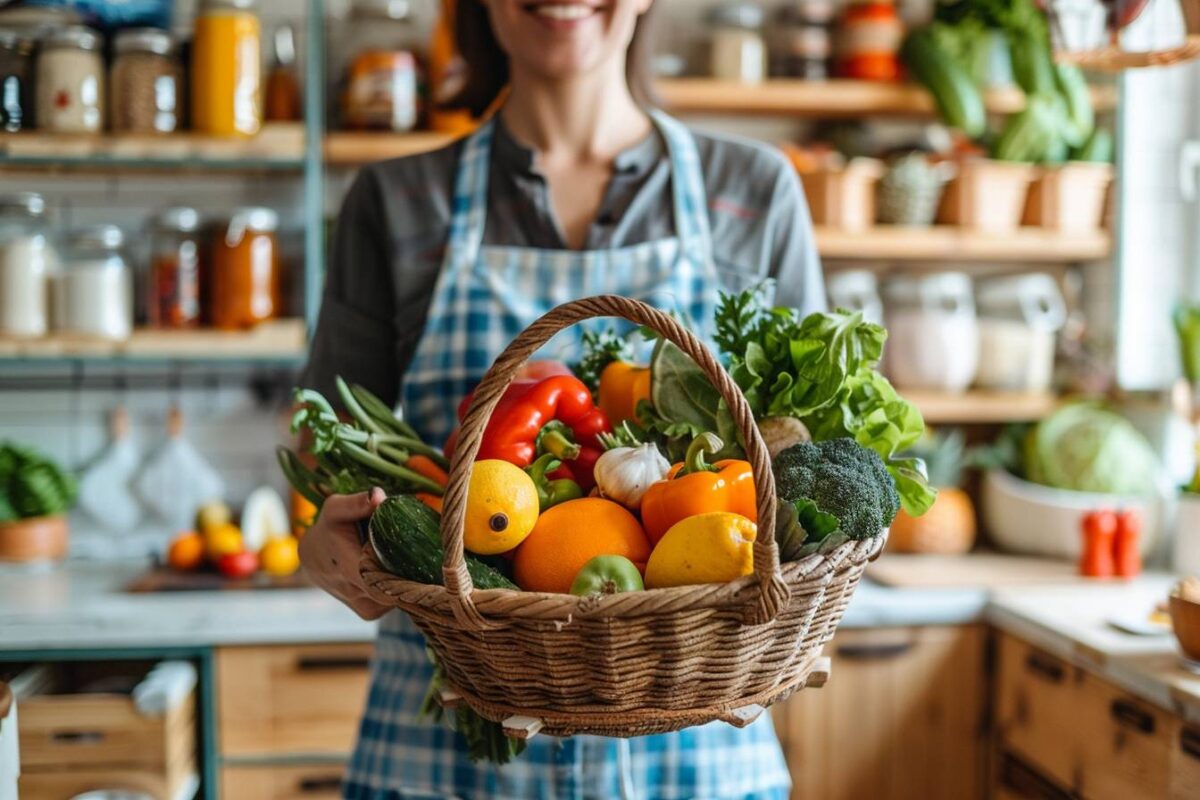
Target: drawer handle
323, 783
1189, 742
1045, 666
1131, 716
320, 663
78, 737
874, 652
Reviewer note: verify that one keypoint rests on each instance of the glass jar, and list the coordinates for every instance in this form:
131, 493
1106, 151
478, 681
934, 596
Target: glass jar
381, 67
227, 68
245, 285
27, 260
173, 282
144, 82
94, 293
869, 37
933, 333
738, 50
70, 81
1019, 319
16, 81
801, 43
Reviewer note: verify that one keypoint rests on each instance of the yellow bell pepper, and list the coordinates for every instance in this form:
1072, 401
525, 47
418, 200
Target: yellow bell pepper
622, 385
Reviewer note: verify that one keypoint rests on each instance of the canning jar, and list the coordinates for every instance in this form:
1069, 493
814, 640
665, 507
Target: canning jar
16, 81
801, 43
94, 292
869, 37
227, 69
933, 333
144, 82
173, 282
380, 44
70, 81
26, 261
1019, 319
738, 50
245, 285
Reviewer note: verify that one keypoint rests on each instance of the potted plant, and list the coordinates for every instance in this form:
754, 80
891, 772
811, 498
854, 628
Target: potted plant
948, 527
35, 495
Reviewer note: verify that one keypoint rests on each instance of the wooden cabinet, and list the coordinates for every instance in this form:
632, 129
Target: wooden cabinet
1184, 766
902, 716
1124, 743
282, 782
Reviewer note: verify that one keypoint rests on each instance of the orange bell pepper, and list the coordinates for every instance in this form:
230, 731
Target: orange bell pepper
622, 385
695, 487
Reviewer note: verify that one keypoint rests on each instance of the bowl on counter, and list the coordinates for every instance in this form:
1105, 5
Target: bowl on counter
1031, 519
1185, 620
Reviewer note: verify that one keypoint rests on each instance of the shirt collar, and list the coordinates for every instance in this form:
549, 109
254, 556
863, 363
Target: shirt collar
634, 161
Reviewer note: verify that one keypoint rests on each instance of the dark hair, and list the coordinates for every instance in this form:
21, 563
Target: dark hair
487, 64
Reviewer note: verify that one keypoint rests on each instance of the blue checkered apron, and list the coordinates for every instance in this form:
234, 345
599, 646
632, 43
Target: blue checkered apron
484, 297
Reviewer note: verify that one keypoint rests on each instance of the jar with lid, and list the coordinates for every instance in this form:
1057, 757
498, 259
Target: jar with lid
738, 50
801, 42
227, 68
868, 41
1019, 318
27, 260
856, 290
144, 82
381, 46
933, 333
16, 81
70, 81
94, 293
245, 286
173, 282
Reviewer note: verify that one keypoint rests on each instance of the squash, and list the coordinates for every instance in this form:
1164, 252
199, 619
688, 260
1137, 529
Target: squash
947, 528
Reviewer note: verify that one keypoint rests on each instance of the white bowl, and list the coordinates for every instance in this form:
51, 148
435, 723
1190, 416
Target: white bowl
1024, 517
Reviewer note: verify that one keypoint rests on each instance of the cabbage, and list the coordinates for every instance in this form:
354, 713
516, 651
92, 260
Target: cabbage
1087, 448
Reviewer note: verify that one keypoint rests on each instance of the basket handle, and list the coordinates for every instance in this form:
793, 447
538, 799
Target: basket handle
772, 592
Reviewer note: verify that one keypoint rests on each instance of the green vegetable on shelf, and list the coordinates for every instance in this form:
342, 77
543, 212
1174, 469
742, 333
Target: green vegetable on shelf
958, 99
31, 485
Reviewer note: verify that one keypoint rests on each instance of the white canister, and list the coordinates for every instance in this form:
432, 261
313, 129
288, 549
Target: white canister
1186, 557
933, 335
739, 52
1019, 318
70, 81
856, 290
94, 293
27, 260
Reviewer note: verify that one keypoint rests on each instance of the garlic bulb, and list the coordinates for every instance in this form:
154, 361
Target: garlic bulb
624, 474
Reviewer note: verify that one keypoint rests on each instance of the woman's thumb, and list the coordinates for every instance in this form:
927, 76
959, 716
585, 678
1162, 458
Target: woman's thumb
352, 507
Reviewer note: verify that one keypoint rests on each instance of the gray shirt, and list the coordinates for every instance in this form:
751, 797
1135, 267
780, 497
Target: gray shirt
392, 231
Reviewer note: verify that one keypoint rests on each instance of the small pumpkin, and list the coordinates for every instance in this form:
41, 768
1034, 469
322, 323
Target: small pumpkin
948, 527
624, 474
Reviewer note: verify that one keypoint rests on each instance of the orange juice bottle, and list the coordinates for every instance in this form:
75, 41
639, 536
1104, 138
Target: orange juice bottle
227, 68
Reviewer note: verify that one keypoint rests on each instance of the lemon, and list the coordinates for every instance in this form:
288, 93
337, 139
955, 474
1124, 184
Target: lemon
222, 540
716, 547
502, 507
280, 556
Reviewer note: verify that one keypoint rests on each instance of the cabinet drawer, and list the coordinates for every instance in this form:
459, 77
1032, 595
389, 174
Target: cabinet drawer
1185, 763
290, 782
290, 700
1036, 709
1125, 743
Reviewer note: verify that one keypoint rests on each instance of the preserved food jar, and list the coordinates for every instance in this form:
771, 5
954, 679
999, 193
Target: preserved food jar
869, 41
738, 50
379, 53
227, 68
70, 81
145, 81
16, 81
26, 262
245, 285
173, 283
801, 43
94, 293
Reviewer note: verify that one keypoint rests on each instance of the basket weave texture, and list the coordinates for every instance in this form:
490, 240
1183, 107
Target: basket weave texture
640, 662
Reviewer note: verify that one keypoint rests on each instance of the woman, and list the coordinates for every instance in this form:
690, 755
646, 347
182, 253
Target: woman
572, 189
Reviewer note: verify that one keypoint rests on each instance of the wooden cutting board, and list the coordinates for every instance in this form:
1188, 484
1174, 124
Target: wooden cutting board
163, 579
972, 571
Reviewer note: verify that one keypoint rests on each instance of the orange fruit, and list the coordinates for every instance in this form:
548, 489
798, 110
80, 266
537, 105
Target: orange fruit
222, 540
186, 552
280, 556
569, 535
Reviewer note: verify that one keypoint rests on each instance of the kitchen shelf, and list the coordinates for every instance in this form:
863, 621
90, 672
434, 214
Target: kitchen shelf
279, 146
948, 243
832, 98
279, 341
980, 407
351, 148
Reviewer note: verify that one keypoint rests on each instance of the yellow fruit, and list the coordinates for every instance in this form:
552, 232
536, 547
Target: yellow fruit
221, 541
280, 556
186, 551
716, 547
212, 515
502, 507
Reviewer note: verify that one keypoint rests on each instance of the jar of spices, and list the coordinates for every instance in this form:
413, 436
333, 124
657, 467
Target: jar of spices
227, 68
144, 82
70, 81
868, 42
173, 283
16, 81
738, 50
27, 260
382, 70
94, 293
801, 43
245, 285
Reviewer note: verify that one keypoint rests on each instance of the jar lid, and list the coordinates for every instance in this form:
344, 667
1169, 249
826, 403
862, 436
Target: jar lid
395, 10
97, 237
179, 218
30, 203
915, 289
737, 15
144, 40
236, 5
78, 36
807, 12
256, 218
11, 37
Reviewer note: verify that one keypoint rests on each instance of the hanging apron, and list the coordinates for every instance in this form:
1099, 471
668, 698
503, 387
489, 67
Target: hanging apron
483, 298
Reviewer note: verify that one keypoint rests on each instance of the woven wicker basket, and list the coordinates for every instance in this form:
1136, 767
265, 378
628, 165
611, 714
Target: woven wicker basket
635, 663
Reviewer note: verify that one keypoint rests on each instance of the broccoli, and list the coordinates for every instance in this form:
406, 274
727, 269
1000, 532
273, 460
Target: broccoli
834, 485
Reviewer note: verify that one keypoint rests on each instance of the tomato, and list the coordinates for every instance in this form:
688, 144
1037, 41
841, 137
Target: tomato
607, 575
238, 565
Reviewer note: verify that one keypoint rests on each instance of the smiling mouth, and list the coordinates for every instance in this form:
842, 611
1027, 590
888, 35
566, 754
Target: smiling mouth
562, 12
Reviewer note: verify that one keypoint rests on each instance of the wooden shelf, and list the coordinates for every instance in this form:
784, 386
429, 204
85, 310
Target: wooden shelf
978, 407
832, 98
279, 340
349, 148
947, 243
278, 146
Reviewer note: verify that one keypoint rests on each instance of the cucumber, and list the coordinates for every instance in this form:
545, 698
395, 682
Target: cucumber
1032, 62
404, 534
1079, 116
1031, 135
1098, 148
957, 98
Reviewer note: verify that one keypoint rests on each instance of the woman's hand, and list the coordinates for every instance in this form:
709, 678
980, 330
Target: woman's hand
330, 550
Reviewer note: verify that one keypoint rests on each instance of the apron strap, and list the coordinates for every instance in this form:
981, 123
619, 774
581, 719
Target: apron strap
687, 187
468, 215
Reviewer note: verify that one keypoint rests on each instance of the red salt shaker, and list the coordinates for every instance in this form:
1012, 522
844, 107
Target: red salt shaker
1127, 551
1099, 534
